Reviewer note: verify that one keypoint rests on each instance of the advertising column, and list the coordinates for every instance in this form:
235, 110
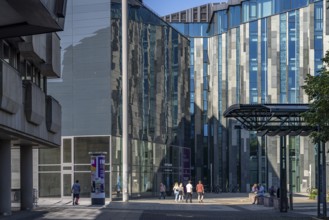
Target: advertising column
97, 178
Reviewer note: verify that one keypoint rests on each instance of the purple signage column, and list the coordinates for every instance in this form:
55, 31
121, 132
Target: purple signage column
97, 169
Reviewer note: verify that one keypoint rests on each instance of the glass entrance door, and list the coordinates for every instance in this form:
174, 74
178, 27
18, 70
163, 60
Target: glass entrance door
66, 184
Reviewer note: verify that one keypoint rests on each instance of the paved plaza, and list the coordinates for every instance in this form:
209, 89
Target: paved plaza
215, 206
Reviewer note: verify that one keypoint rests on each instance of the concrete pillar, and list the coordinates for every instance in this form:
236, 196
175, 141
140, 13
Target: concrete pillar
26, 178
5, 180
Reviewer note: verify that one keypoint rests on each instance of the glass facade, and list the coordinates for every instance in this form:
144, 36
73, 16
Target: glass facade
293, 57
265, 48
264, 59
283, 58
253, 61
257, 51
158, 113
318, 35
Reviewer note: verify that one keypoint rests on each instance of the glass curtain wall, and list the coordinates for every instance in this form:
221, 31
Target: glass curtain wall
205, 120
264, 63
293, 57
49, 172
318, 36
220, 109
283, 58
253, 61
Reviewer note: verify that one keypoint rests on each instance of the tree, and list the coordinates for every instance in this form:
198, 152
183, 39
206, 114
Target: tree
317, 89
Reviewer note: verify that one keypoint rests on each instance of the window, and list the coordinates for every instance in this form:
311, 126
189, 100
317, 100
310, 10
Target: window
6, 52
29, 71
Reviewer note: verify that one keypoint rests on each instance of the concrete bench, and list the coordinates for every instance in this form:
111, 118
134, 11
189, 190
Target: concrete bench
268, 201
260, 200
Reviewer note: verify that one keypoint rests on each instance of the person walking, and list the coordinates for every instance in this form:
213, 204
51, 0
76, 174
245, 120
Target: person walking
76, 192
200, 191
181, 192
162, 191
189, 191
176, 191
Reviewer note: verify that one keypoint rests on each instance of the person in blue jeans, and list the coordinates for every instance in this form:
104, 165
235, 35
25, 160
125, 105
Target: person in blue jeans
176, 191
76, 192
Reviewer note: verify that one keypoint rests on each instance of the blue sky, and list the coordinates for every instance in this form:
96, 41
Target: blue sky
165, 7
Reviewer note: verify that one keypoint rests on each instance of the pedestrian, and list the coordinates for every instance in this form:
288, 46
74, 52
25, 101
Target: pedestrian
181, 192
200, 191
176, 191
189, 191
254, 188
76, 192
260, 193
162, 191
272, 191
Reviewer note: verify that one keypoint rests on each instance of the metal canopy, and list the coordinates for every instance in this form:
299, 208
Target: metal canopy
271, 119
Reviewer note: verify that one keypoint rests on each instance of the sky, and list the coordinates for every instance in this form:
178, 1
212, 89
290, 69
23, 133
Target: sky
165, 7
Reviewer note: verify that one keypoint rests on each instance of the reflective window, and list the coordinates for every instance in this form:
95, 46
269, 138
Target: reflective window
198, 29
245, 11
89, 144
253, 10
293, 56
222, 21
253, 61
237, 66
49, 184
318, 39
49, 156
6, 52
264, 57
234, 16
265, 8
67, 150
283, 58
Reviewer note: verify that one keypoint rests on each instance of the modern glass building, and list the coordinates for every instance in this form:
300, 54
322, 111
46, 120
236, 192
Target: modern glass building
252, 51
90, 93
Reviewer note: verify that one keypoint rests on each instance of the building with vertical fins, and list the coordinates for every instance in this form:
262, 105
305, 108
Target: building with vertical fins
248, 52
30, 118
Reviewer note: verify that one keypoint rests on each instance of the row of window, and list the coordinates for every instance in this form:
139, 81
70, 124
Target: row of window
27, 69
238, 14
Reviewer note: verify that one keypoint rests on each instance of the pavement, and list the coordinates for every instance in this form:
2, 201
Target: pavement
230, 205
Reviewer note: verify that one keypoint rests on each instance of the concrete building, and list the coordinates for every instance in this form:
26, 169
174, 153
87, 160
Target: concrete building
253, 51
90, 93
29, 117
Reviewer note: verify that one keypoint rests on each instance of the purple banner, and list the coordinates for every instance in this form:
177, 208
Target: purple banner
97, 176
